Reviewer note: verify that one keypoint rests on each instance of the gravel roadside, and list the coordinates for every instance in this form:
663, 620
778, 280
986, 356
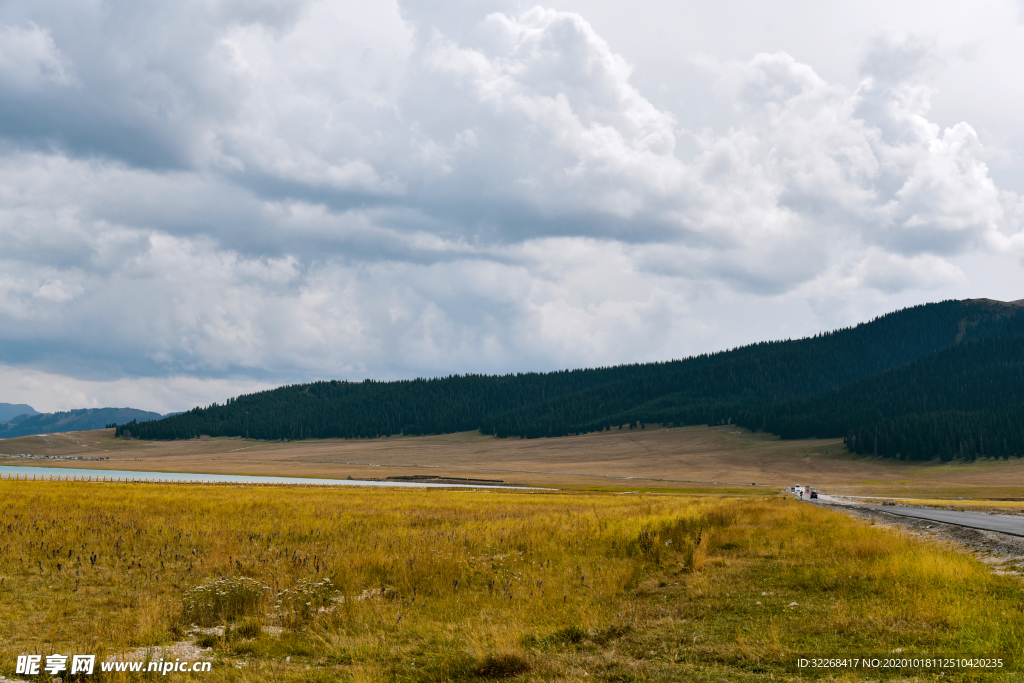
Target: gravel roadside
1003, 552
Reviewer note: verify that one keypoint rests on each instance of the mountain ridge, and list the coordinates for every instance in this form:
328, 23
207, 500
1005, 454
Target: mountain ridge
11, 411
751, 386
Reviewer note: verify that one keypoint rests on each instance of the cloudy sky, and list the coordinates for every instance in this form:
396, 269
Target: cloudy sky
202, 198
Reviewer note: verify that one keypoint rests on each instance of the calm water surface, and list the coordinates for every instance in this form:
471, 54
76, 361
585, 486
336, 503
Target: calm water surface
54, 472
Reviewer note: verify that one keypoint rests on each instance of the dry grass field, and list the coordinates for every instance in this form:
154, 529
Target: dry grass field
312, 584
689, 458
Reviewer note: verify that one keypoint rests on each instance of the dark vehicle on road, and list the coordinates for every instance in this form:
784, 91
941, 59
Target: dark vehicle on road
814, 494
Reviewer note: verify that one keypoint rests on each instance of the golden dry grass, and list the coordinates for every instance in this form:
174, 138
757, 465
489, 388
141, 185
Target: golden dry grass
680, 457
435, 585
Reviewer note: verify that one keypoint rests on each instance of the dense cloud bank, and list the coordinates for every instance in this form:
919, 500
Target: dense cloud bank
244, 193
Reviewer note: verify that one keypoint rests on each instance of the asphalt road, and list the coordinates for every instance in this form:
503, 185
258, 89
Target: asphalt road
1004, 524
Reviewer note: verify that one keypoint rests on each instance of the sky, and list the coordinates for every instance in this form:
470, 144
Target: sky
205, 198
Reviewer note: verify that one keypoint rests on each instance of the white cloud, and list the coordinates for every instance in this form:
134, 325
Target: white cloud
29, 59
890, 273
56, 290
48, 392
364, 190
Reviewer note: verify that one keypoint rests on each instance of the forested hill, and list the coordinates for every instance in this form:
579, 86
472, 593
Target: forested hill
912, 367
962, 402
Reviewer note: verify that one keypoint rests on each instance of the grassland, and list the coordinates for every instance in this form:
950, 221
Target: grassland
687, 458
433, 585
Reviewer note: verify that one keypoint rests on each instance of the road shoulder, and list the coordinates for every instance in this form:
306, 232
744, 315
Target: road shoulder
1003, 552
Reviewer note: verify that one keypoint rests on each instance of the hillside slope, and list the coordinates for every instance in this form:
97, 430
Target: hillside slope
72, 421
805, 387
964, 401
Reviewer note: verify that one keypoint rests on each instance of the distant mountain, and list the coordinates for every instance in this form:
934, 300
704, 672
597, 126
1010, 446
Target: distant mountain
9, 411
71, 421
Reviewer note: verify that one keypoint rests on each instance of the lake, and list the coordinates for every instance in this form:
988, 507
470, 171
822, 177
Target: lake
18, 471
